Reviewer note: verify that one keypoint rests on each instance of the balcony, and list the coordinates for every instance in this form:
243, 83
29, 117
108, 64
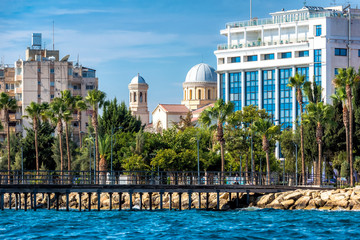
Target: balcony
261, 44
76, 92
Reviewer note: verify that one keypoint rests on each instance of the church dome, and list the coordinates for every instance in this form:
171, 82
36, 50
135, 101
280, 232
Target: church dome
138, 79
201, 73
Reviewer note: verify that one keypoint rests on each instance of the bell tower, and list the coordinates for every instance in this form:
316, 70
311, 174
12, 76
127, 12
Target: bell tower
138, 98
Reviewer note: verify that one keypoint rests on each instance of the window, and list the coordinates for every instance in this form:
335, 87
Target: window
303, 53
209, 94
269, 56
141, 97
134, 96
340, 52
39, 83
89, 87
358, 56
318, 30
39, 70
145, 97
222, 86
39, 96
18, 71
269, 91
52, 70
286, 55
199, 94
51, 96
252, 58
317, 66
285, 98
52, 84
190, 95
235, 89
235, 59
88, 73
1, 73
70, 71
251, 88
9, 86
317, 55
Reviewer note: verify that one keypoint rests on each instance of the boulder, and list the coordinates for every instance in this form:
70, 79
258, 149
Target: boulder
342, 203
325, 196
302, 202
338, 197
288, 203
294, 196
356, 207
265, 200
275, 205
224, 196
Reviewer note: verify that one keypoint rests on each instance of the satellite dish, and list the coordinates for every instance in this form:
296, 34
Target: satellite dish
64, 59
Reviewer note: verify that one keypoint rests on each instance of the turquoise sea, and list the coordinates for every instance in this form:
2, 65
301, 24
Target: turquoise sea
187, 224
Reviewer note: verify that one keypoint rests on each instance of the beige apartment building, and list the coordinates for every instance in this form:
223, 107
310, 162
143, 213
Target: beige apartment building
41, 77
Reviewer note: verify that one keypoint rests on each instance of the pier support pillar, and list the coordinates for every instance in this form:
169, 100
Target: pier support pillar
19, 200
189, 194
120, 196
237, 199
25, 202
161, 199
98, 196
199, 200
229, 196
180, 193
48, 200
150, 200
89, 201
57, 201
140, 202
2, 201
10, 202
170, 200
67, 200
130, 195
217, 199
31, 201
247, 197
16, 202
34, 201
110, 200
80, 201
207, 201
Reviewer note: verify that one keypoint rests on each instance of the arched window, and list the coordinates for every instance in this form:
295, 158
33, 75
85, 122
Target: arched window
134, 96
190, 95
145, 97
199, 94
209, 94
130, 97
184, 94
140, 97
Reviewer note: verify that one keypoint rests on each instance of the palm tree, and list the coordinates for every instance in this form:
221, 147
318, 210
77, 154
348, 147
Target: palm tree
96, 99
267, 130
348, 79
340, 96
68, 102
320, 114
35, 111
219, 113
56, 113
297, 82
104, 147
80, 106
7, 104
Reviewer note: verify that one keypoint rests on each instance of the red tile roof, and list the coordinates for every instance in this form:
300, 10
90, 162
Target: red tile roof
174, 108
199, 110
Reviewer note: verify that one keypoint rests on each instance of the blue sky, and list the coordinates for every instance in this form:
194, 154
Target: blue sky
160, 39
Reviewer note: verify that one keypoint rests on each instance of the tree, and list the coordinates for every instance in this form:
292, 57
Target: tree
35, 112
96, 99
320, 114
219, 113
267, 130
185, 122
297, 82
348, 79
7, 104
56, 113
80, 106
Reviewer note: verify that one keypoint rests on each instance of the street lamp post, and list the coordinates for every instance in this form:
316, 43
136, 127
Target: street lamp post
296, 165
22, 163
240, 168
252, 159
198, 158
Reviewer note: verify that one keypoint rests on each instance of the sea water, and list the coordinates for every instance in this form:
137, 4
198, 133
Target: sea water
188, 224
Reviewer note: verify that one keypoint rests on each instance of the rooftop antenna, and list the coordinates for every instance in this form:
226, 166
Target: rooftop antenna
77, 60
304, 3
53, 36
250, 9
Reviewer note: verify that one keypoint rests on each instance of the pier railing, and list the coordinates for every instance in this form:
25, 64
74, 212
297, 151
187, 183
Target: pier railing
156, 178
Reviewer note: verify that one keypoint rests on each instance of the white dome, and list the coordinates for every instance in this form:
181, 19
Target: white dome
201, 73
138, 79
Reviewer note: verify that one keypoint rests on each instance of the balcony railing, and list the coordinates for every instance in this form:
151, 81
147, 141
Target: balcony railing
260, 44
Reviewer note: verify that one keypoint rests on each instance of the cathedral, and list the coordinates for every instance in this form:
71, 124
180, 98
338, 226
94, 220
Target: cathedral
199, 92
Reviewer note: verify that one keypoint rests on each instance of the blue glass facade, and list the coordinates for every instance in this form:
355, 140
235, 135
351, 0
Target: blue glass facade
317, 66
235, 89
268, 90
222, 86
285, 98
318, 30
252, 88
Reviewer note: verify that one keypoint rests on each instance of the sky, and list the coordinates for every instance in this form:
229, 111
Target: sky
159, 39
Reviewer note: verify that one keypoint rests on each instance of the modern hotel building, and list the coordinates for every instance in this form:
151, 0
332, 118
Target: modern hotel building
260, 55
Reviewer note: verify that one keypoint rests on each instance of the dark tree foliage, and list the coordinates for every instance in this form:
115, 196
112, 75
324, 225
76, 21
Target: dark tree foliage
117, 116
45, 141
55, 159
356, 111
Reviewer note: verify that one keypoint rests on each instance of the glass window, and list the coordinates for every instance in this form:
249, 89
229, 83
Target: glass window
52, 70
18, 71
39, 95
89, 73
89, 87
252, 58
251, 90
340, 52
222, 86
269, 56
39, 83
235, 89
52, 84
358, 54
318, 30
235, 59
303, 53
286, 55
70, 71
285, 98
51, 96
269, 91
